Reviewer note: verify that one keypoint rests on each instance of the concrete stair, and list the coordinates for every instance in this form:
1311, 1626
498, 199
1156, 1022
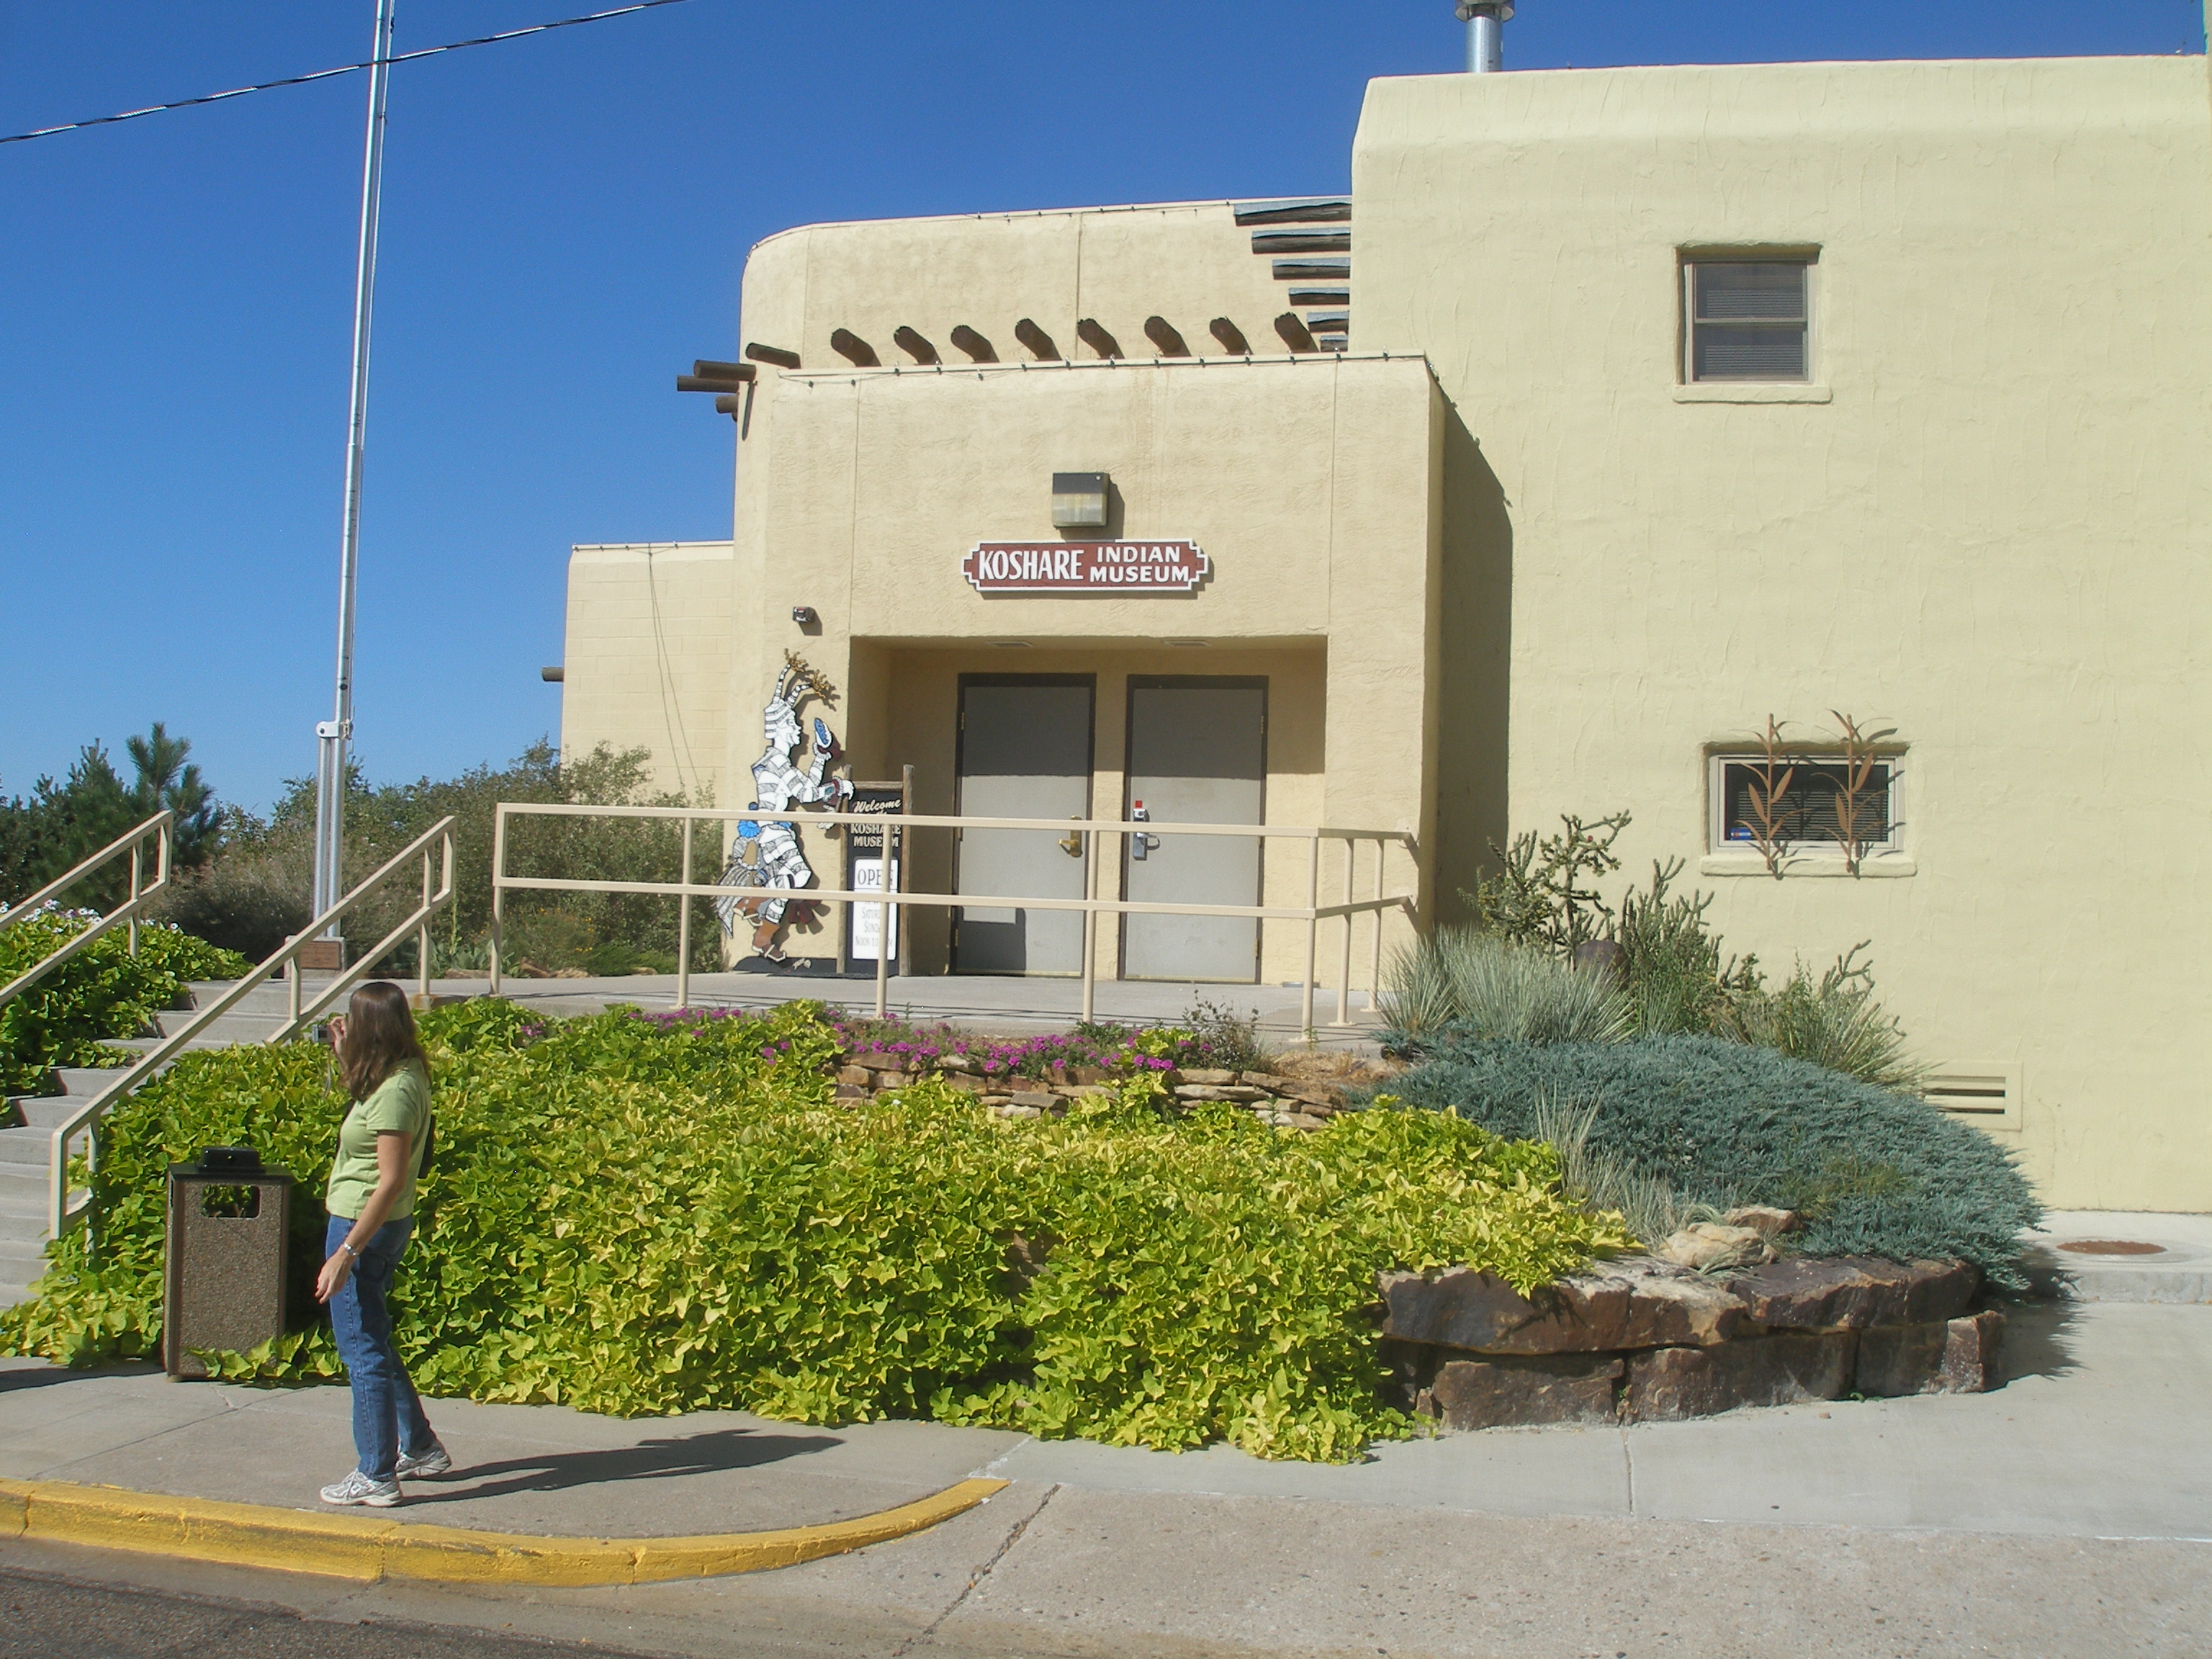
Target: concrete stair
25, 1150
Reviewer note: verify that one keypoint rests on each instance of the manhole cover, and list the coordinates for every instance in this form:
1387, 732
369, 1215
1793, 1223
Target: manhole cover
2111, 1247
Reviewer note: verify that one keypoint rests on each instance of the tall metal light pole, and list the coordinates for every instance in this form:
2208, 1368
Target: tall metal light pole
332, 735
1485, 33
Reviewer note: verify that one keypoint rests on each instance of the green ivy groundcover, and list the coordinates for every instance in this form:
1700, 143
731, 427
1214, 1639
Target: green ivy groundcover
633, 1215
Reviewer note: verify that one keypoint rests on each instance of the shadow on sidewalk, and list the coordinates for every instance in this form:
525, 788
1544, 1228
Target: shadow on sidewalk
715, 1452
44, 1376
2038, 1340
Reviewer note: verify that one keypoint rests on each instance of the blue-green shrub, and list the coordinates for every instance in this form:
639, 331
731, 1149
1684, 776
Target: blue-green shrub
1875, 1172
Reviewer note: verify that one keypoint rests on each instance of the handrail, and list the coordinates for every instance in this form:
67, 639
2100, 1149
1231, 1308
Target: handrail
894, 826
59, 1211
162, 826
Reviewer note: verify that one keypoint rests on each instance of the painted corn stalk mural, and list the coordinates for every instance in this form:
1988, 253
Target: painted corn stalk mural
766, 856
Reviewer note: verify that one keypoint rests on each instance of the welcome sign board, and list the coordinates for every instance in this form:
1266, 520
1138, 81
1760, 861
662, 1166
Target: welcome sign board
1135, 569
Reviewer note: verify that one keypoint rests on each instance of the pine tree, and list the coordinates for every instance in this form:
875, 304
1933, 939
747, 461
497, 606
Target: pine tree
167, 778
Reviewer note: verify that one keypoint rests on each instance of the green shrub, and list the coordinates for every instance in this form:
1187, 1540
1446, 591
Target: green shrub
101, 993
1834, 1021
1875, 1172
1670, 963
635, 1215
1476, 987
255, 891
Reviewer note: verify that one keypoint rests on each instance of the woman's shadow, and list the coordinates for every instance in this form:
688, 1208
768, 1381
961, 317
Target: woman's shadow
712, 1453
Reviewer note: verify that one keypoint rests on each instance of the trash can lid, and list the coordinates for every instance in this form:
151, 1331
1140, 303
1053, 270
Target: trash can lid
230, 1160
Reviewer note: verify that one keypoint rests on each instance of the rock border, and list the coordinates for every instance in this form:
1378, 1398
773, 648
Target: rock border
1642, 1341
1284, 1102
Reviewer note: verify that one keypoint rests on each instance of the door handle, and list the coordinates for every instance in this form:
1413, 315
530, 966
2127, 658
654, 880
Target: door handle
1071, 843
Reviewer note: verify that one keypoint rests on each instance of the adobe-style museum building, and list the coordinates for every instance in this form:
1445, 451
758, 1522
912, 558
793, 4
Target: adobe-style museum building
1613, 413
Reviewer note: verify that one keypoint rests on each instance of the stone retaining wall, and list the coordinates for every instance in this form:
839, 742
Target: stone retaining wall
1644, 1341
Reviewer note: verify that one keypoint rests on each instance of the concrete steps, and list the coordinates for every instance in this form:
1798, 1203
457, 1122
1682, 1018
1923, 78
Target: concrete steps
26, 1148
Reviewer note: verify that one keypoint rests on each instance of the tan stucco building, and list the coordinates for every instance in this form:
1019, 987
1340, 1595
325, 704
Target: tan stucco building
1626, 407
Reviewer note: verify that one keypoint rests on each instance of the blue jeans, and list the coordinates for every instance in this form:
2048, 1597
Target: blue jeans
387, 1416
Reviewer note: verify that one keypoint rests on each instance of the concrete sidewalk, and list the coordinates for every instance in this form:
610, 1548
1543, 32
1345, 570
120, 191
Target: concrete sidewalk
2068, 1512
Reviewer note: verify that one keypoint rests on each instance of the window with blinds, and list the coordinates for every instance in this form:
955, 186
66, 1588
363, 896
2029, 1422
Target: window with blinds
1747, 319
1807, 806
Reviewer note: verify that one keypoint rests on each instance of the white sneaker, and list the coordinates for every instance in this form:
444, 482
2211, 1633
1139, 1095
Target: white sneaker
428, 1467
357, 1488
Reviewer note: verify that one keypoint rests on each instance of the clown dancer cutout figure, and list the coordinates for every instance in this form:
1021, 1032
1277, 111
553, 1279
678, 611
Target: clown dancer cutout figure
766, 853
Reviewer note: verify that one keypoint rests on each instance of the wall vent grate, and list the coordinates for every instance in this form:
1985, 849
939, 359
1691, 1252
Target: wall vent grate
1987, 1092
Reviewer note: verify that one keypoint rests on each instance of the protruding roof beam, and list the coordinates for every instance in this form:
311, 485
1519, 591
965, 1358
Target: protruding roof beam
769, 354
1301, 242
913, 345
1093, 334
708, 375
1038, 342
1294, 332
854, 350
1164, 338
977, 348
1313, 271
1321, 296
1231, 337
1303, 210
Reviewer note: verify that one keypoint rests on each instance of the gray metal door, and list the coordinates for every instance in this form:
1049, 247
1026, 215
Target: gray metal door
1198, 754
1024, 753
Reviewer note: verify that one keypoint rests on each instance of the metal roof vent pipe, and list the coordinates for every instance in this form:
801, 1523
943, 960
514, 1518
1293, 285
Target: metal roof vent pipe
1485, 33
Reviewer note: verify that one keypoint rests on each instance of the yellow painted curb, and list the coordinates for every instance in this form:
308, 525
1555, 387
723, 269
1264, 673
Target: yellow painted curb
364, 1546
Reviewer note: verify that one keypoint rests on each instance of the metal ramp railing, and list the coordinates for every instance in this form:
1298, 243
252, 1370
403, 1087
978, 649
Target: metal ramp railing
1089, 832
161, 826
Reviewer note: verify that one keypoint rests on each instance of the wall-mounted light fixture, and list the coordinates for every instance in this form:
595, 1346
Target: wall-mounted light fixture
804, 615
1078, 501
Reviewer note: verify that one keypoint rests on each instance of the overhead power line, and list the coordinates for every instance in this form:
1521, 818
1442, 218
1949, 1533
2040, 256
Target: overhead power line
343, 68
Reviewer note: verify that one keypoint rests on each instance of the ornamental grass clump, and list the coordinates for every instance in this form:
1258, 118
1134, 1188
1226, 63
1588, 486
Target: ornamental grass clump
1873, 1171
635, 1215
1476, 986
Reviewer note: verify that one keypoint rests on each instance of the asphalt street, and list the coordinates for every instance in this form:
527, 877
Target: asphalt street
46, 1618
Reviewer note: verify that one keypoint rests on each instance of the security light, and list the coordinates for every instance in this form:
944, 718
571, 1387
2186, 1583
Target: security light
1078, 501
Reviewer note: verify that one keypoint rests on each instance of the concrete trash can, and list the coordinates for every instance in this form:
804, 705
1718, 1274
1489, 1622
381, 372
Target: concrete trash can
230, 1222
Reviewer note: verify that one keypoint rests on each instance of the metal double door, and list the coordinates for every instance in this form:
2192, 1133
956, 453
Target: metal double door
1197, 754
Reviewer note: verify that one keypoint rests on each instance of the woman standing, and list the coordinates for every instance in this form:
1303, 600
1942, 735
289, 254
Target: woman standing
371, 1199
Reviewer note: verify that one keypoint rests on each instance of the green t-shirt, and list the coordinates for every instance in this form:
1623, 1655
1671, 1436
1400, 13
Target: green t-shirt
399, 1105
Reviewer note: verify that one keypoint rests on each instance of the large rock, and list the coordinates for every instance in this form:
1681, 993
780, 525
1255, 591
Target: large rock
1671, 1384
1712, 1244
1488, 1393
1459, 1307
1853, 1292
1951, 1355
1635, 1307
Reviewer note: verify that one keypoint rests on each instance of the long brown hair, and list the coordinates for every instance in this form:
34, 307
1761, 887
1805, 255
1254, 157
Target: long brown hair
379, 1038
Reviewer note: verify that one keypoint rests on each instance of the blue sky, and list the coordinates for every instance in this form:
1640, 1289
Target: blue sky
565, 221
